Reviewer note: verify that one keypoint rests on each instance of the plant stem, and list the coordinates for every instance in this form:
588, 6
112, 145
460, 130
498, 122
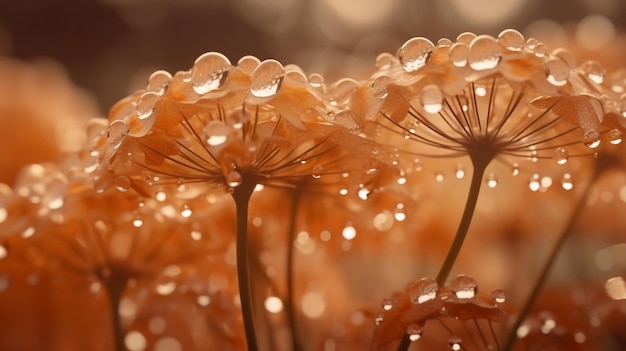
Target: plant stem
241, 195
511, 337
115, 286
479, 165
289, 304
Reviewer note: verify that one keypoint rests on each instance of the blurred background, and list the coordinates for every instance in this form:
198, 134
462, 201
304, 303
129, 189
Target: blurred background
109, 47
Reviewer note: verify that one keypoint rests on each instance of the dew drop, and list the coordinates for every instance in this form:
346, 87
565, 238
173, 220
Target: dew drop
534, 184
384, 61
460, 172
594, 71
117, 132
615, 136
387, 304
414, 331
491, 180
146, 103
158, 81
248, 63
458, 54
267, 78
122, 183
498, 295
317, 171
415, 53
560, 155
137, 222
379, 319
316, 80
423, 290
431, 98
342, 91
557, 72
566, 181
363, 193
484, 53
591, 139
465, 37
511, 39
454, 343
547, 322
349, 232
383, 221
216, 133
186, 211
464, 286
515, 169
379, 86
209, 72
233, 179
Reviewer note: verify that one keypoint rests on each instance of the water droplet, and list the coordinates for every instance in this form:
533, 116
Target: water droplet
342, 91
431, 98
491, 180
547, 322
216, 133
379, 319
615, 136
146, 103
383, 221
566, 181
515, 169
415, 53
498, 295
233, 179
379, 86
122, 183
460, 172
454, 343
349, 232
511, 39
387, 304
137, 222
444, 42
423, 290
248, 63
458, 54
464, 286
186, 211
363, 193
560, 155
267, 79
158, 81
534, 184
591, 139
465, 37
384, 61
439, 177
485, 53
414, 331
317, 171
117, 132
209, 72
316, 80
557, 72
594, 71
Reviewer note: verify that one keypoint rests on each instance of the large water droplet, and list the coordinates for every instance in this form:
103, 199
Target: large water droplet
464, 286
511, 39
122, 183
566, 181
158, 81
414, 331
594, 71
248, 63
216, 133
423, 290
379, 86
267, 79
342, 91
591, 139
384, 61
458, 54
465, 37
615, 136
146, 104
415, 53
117, 132
485, 53
560, 155
431, 98
557, 72
209, 72
387, 304
233, 179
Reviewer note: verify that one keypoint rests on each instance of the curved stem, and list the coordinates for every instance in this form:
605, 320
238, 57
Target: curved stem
241, 195
289, 304
511, 337
479, 165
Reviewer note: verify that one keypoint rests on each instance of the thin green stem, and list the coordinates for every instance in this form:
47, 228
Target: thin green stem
511, 337
289, 300
241, 195
479, 165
